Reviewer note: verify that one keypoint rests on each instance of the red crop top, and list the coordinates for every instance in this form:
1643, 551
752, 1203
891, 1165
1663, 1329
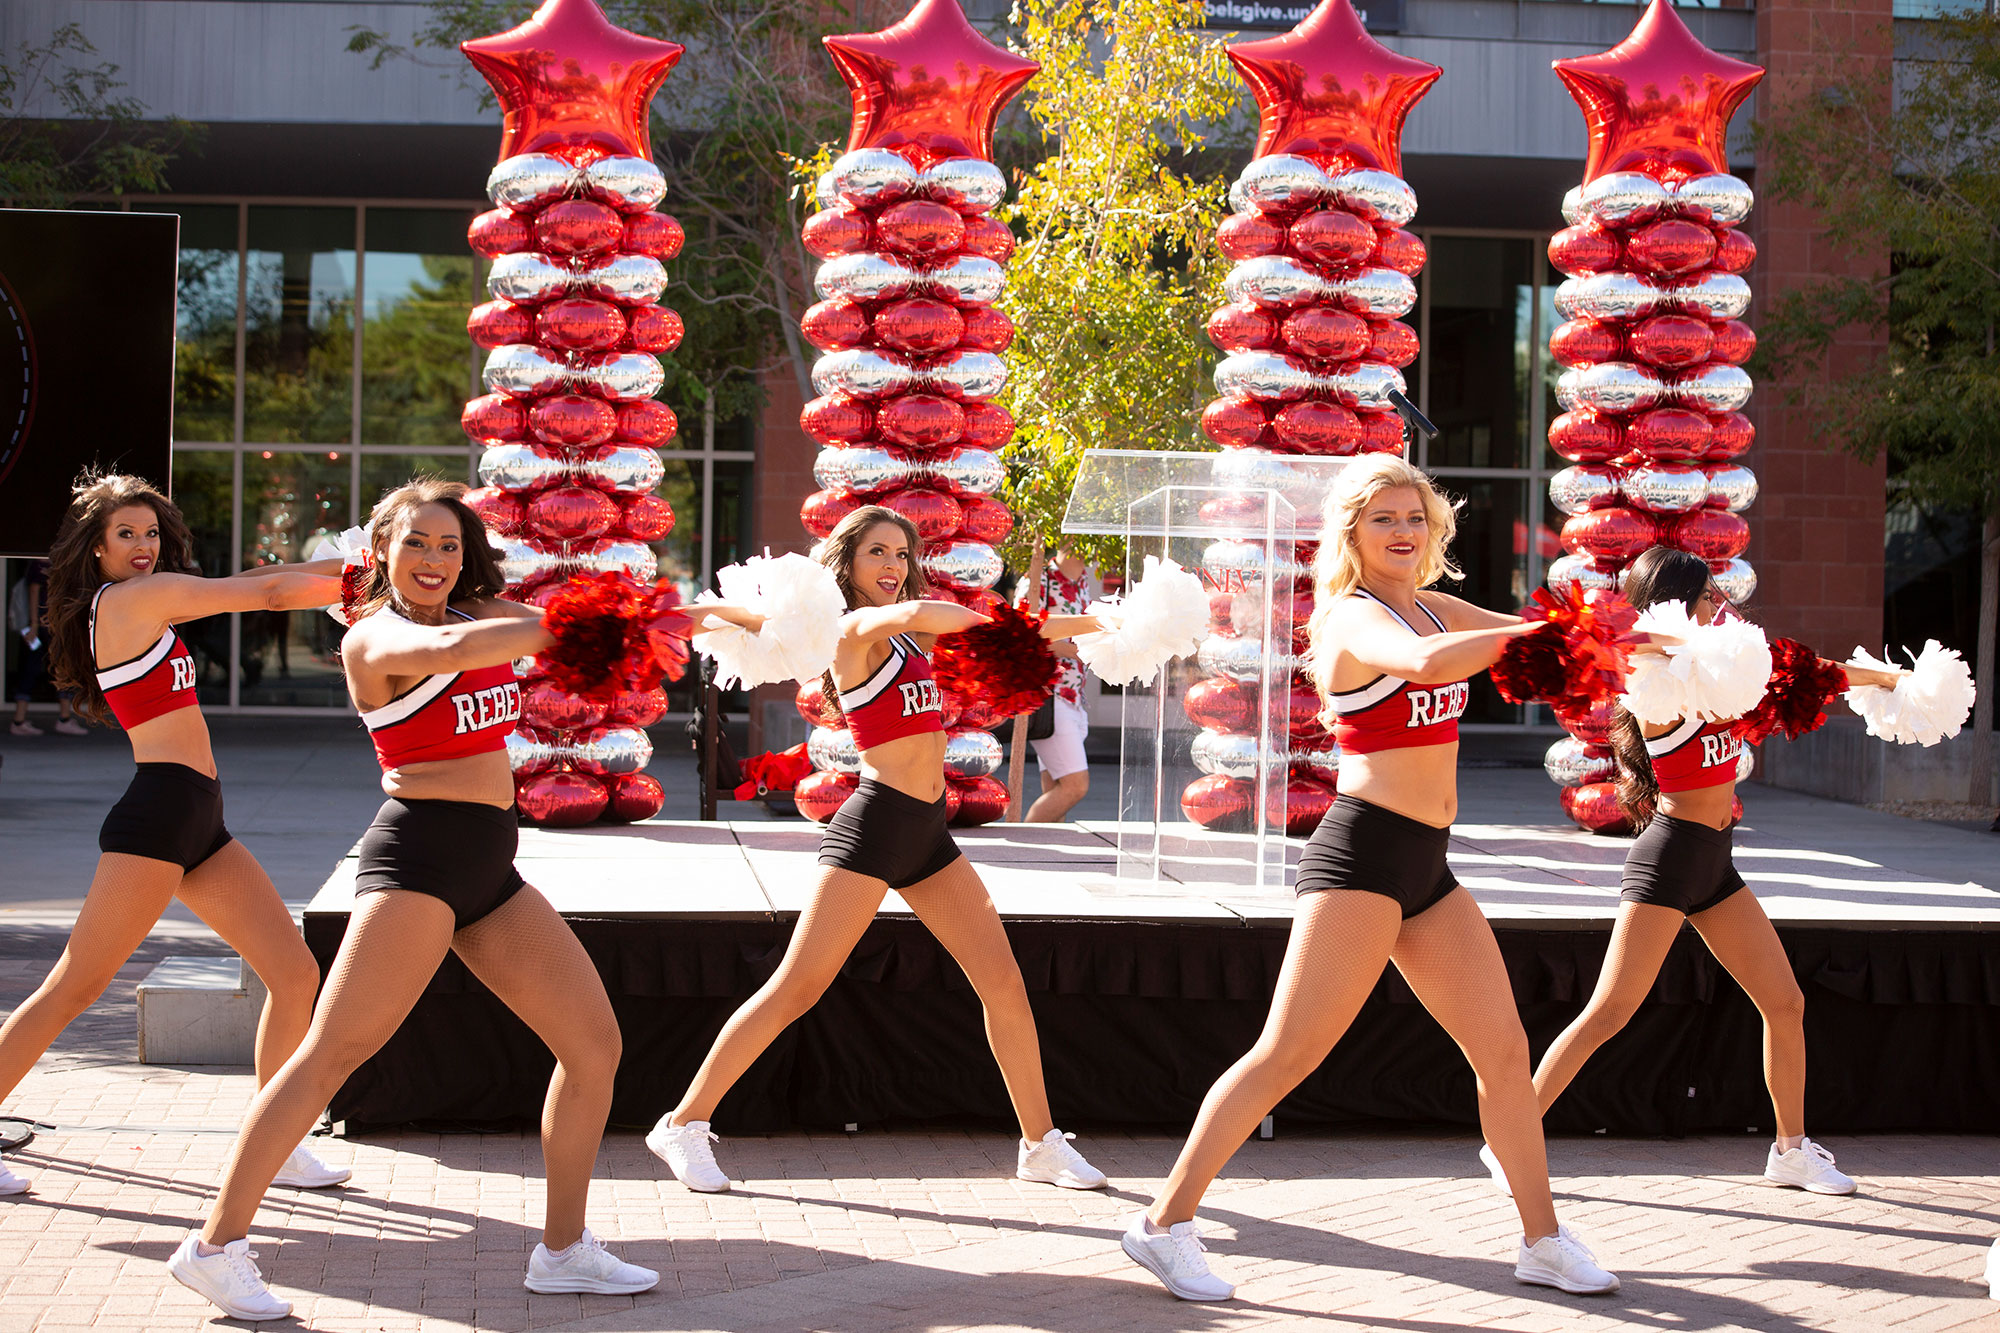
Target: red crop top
1695, 754
446, 717
156, 682
1389, 713
900, 699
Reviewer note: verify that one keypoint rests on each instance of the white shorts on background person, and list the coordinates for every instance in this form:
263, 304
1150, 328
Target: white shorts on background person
1061, 754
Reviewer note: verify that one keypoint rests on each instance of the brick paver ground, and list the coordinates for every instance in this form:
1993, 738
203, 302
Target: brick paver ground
925, 1229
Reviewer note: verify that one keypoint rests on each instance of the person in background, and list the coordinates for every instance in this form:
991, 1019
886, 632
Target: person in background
1068, 588
27, 608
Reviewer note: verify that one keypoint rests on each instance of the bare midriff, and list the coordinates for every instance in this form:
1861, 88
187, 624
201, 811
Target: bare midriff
1419, 781
179, 737
1714, 806
484, 779
913, 765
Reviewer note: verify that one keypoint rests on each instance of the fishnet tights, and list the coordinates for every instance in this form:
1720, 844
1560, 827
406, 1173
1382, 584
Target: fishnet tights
954, 905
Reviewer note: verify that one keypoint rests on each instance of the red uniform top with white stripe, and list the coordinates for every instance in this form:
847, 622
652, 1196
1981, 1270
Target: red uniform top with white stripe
1389, 713
900, 699
1695, 754
446, 717
153, 684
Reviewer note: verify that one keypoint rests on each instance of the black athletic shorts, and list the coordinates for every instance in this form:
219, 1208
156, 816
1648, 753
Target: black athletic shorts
888, 834
1360, 845
460, 852
1680, 864
169, 813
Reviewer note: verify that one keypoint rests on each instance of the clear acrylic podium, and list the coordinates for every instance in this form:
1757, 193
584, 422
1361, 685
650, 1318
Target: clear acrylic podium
1234, 519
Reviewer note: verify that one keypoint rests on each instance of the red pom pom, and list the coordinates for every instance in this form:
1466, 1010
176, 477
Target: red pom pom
611, 636
1005, 664
353, 585
1795, 700
1575, 657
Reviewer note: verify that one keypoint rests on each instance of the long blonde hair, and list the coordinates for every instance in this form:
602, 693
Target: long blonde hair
1337, 567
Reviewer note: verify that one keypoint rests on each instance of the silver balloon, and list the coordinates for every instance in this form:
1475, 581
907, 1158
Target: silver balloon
1736, 580
1746, 763
968, 184
521, 370
1713, 296
862, 373
1566, 298
872, 176
1239, 197
529, 753
1282, 180
832, 750
626, 279
1366, 384
1239, 659
1321, 763
623, 377
963, 470
1381, 293
630, 184
823, 192
528, 180
1260, 470
964, 375
526, 277
971, 754
1233, 566
1567, 569
1617, 386
1722, 199
867, 470
521, 561
864, 276
634, 558
1276, 282
1585, 486
1378, 196
1569, 763
967, 280
1623, 198
1264, 376
1572, 205
612, 750
1566, 384
517, 467
961, 564
1715, 388
1616, 296
1228, 754
1731, 486
629, 469
1666, 488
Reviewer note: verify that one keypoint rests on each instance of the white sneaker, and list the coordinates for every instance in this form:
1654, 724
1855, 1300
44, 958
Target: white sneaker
1564, 1262
685, 1150
69, 726
1492, 1165
24, 729
1054, 1162
1808, 1167
1175, 1257
11, 1183
230, 1279
586, 1266
302, 1170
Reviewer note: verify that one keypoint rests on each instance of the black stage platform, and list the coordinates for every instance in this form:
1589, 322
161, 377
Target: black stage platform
1142, 1000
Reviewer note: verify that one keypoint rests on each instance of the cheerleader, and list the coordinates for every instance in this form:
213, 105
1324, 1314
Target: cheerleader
1391, 659
429, 664
890, 834
122, 574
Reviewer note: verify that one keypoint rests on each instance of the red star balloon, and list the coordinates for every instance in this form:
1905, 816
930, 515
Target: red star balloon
1329, 91
929, 86
1658, 102
573, 84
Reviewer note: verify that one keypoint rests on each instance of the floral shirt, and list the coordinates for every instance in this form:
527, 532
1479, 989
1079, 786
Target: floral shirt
1066, 597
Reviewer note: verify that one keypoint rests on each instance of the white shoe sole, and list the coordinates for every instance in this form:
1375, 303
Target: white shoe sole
659, 1150
1498, 1176
587, 1287
1548, 1277
1813, 1187
1065, 1180
1140, 1258
17, 1187
312, 1182
234, 1311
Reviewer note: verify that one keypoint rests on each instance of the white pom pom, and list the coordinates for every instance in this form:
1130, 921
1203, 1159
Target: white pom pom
1927, 705
1164, 616
801, 605
1716, 671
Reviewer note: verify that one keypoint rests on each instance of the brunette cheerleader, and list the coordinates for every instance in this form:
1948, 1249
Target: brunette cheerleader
429, 665
122, 574
1391, 660
890, 834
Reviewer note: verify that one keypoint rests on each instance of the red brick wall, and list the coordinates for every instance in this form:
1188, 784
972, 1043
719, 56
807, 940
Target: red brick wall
1816, 529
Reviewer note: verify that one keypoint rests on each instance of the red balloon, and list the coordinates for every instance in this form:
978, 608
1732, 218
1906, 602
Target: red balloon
577, 228
819, 795
494, 418
1729, 436
813, 706
1333, 237
634, 796
1221, 703
935, 513
1585, 248
823, 509
653, 328
1326, 334
636, 708
1594, 806
980, 800
921, 420
987, 329
571, 84
646, 421
498, 232
952, 799
1381, 433
985, 519
840, 230
1301, 703
1668, 434
1592, 725
1328, 90
552, 709
571, 419
1232, 422
571, 513
836, 419
982, 600
1315, 426
1734, 251
988, 237
1305, 804
1248, 235
497, 323
655, 234
644, 518
1401, 250
499, 511
1670, 247
919, 228
832, 325
1734, 342
578, 325
987, 426
919, 325
1220, 804
1611, 536
974, 712
929, 84
1585, 342
1712, 534
1585, 437
1392, 341
1672, 340
1241, 327
560, 799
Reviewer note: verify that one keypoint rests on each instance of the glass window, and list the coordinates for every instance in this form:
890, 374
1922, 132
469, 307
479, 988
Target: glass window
729, 542
206, 494
290, 500
680, 553
1481, 293
382, 473
299, 334
205, 325
418, 366
1492, 549
1550, 370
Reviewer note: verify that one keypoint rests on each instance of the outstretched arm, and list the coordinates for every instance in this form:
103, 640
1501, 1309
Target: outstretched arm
1375, 639
871, 624
1068, 627
323, 567
386, 647
172, 598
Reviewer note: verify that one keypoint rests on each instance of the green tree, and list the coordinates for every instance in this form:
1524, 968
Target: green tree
65, 131
1921, 180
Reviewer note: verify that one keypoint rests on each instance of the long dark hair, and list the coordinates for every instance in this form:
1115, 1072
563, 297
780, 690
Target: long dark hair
75, 574
1660, 574
836, 551
479, 573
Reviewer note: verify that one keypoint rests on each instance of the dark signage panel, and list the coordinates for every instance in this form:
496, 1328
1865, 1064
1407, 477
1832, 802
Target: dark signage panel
1226, 15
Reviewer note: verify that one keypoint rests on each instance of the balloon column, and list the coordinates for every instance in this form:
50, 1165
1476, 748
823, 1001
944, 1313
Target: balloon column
1312, 342
570, 422
911, 340
1653, 341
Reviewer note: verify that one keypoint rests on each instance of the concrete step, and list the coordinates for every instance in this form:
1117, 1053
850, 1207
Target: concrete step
199, 1011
